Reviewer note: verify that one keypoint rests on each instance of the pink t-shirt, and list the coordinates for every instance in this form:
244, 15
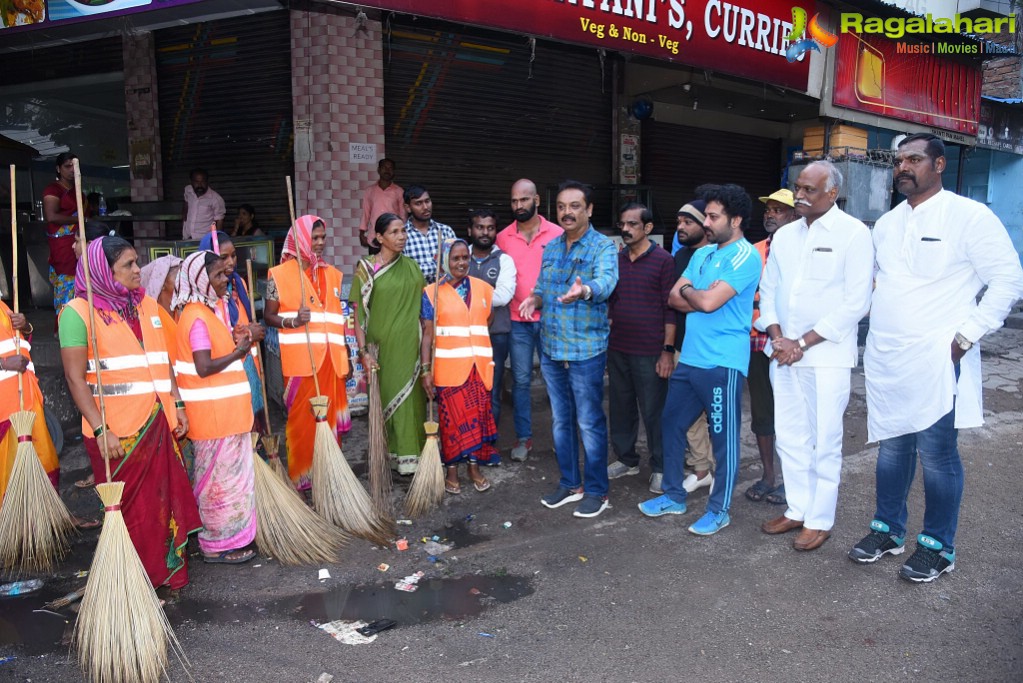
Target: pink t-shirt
199, 337
527, 257
376, 202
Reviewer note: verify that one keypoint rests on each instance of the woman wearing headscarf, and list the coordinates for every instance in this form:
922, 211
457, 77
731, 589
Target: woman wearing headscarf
216, 395
390, 286
310, 328
458, 312
239, 308
142, 406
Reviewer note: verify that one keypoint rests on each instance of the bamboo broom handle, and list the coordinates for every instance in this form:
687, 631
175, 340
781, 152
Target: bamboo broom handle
436, 307
14, 273
301, 290
259, 358
92, 315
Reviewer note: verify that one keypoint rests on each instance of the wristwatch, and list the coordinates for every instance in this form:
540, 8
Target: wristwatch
963, 343
587, 292
668, 348
802, 344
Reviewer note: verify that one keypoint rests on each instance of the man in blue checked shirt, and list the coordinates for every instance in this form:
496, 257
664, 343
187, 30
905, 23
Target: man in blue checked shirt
422, 231
578, 274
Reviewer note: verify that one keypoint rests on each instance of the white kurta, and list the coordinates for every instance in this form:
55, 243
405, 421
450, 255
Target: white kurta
932, 261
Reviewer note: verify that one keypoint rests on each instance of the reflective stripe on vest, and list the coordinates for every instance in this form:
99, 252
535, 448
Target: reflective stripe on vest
133, 377
7, 346
463, 338
220, 404
326, 325
9, 402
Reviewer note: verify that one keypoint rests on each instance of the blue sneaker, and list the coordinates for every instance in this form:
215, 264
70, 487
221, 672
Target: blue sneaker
710, 523
878, 543
930, 561
662, 505
562, 496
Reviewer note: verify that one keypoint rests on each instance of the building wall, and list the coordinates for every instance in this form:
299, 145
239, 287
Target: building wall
143, 116
338, 98
1006, 199
1002, 77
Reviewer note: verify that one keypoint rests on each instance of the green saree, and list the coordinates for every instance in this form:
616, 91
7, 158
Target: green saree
389, 315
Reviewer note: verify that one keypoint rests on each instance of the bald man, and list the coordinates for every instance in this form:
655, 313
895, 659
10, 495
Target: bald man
524, 241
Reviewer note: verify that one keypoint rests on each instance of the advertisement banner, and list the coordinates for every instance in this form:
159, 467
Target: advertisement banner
743, 38
907, 81
29, 14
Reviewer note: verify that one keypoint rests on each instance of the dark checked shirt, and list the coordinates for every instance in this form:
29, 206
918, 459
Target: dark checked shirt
423, 248
639, 305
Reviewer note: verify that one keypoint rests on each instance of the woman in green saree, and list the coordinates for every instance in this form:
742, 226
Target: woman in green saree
389, 288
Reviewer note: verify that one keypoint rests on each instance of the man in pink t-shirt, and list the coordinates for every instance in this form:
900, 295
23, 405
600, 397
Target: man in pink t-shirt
383, 196
524, 241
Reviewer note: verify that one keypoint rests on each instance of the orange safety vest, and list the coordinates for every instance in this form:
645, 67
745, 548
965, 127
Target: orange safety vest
463, 336
761, 247
219, 405
134, 375
326, 323
8, 378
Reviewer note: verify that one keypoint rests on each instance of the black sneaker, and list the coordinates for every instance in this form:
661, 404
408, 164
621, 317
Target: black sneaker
561, 497
591, 506
928, 562
878, 543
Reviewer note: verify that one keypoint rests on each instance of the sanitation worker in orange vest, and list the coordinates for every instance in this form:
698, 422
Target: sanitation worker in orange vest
215, 389
142, 406
458, 312
302, 257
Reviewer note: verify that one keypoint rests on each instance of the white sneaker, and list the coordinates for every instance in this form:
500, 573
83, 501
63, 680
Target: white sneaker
691, 483
655, 482
620, 469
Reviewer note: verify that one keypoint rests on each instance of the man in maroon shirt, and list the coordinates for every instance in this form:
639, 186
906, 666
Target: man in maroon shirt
640, 352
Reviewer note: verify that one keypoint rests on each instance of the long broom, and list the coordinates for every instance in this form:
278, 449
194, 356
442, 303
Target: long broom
337, 494
379, 468
122, 634
286, 528
35, 525
427, 489
271, 442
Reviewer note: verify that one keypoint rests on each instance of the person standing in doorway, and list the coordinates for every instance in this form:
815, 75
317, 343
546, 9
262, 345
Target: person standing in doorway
383, 196
203, 207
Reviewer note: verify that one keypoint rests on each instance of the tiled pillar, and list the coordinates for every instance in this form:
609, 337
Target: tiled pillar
337, 87
143, 114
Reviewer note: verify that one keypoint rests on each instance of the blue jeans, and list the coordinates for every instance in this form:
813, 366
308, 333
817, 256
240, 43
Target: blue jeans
943, 479
576, 392
691, 391
523, 343
499, 342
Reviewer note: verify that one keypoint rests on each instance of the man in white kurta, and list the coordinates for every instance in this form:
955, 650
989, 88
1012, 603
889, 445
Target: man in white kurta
815, 290
934, 254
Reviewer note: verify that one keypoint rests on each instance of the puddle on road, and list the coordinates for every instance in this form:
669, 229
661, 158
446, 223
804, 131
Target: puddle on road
436, 599
33, 633
461, 534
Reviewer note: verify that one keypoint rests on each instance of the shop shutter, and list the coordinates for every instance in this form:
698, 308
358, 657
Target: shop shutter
676, 159
225, 105
468, 113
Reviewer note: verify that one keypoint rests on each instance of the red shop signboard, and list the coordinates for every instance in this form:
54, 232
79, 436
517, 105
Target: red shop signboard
743, 37
881, 76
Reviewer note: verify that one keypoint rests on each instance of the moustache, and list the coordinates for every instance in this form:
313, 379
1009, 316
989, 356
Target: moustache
802, 202
625, 234
905, 176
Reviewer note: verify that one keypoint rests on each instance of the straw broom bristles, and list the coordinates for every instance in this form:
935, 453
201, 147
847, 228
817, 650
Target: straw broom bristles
337, 494
379, 467
427, 489
285, 526
122, 633
35, 525
272, 445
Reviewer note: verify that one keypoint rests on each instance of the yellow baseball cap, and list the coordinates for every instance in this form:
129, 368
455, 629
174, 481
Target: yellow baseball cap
783, 196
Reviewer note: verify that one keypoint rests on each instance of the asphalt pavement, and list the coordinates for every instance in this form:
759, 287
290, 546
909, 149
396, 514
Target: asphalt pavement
550, 597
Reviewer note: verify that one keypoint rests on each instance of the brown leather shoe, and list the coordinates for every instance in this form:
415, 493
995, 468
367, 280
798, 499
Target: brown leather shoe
779, 525
810, 539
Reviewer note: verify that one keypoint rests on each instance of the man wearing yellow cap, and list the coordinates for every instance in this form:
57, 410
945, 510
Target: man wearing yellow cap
780, 210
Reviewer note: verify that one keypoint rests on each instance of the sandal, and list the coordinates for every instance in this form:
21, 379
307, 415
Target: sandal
777, 496
86, 483
222, 558
87, 524
452, 487
479, 482
759, 490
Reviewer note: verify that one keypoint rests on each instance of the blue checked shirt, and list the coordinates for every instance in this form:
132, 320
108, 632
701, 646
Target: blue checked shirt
423, 248
579, 330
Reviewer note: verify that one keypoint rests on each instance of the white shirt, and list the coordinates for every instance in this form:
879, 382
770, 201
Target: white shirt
932, 261
504, 290
818, 278
203, 212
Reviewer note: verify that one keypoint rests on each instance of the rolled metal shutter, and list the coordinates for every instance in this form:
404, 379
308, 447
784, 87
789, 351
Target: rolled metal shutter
676, 159
225, 105
470, 111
